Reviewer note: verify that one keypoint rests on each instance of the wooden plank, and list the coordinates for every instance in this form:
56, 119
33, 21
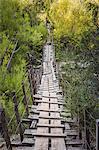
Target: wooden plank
69, 134
30, 131
54, 107
50, 125
37, 96
28, 142
50, 97
57, 131
26, 121
55, 111
43, 121
35, 111
41, 143
19, 144
43, 113
75, 148
49, 117
58, 144
24, 148
56, 115
68, 120
49, 102
44, 135
74, 143
32, 117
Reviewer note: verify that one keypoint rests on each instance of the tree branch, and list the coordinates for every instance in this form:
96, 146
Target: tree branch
10, 60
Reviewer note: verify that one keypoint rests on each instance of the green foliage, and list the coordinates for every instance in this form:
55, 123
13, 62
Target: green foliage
76, 32
19, 23
5, 42
9, 21
71, 19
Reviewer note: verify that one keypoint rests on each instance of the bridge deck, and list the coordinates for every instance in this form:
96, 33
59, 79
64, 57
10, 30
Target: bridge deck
49, 135
50, 124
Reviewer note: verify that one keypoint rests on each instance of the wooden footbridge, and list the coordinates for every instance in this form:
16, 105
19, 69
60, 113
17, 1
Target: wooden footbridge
49, 134
50, 126
48, 129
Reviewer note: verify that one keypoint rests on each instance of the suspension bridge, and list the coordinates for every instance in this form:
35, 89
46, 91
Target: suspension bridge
50, 126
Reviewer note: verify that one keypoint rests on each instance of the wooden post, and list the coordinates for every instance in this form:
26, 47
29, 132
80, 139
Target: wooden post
86, 127
41, 73
35, 82
25, 99
80, 123
97, 134
5, 129
30, 82
80, 131
85, 130
17, 116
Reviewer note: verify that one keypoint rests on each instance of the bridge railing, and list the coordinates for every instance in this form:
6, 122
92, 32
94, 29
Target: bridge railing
28, 88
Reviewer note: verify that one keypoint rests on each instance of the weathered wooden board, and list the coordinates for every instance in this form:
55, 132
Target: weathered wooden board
58, 144
41, 143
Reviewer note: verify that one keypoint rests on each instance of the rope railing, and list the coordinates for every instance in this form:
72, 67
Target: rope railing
20, 102
25, 93
21, 117
19, 122
19, 105
9, 123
